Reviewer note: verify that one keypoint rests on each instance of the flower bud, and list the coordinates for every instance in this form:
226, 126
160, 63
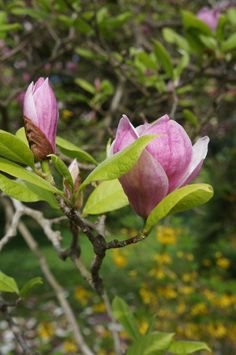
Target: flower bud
209, 16
71, 194
168, 162
40, 118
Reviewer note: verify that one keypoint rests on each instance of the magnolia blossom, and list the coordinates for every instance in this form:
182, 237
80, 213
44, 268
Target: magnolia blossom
168, 162
40, 117
210, 17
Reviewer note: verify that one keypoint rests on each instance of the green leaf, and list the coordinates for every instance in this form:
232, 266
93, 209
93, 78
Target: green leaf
183, 199
107, 196
209, 42
14, 149
26, 175
8, 284
190, 21
164, 58
22, 136
230, 43
150, 344
183, 63
26, 192
72, 151
27, 288
62, 169
84, 84
187, 347
190, 117
119, 163
122, 313
172, 37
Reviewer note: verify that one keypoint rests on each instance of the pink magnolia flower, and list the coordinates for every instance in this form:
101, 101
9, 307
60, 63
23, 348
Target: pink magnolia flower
209, 16
168, 162
40, 117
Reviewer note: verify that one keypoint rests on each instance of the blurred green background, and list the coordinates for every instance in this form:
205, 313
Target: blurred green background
145, 59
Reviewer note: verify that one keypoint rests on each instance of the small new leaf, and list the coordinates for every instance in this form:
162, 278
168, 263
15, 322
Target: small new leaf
123, 314
27, 288
8, 284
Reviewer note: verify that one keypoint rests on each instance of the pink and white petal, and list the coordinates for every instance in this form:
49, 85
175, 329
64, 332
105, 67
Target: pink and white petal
38, 83
29, 105
46, 107
146, 127
200, 150
145, 185
125, 135
172, 148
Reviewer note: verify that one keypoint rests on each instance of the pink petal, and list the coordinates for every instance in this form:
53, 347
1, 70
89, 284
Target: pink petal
145, 185
47, 112
172, 149
38, 83
29, 106
125, 135
200, 149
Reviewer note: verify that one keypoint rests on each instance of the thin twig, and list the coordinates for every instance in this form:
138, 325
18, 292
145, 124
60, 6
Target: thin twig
14, 328
58, 289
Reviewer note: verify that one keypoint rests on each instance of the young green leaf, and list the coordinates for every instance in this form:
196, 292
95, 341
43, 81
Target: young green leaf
119, 163
107, 196
62, 169
14, 149
190, 21
84, 84
20, 133
164, 58
8, 284
230, 43
190, 117
151, 344
123, 314
26, 290
187, 347
183, 199
72, 151
26, 175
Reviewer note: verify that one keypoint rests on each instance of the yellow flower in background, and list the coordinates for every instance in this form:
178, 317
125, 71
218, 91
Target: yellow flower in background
119, 259
186, 290
181, 308
223, 263
46, 330
198, 308
99, 308
143, 327
146, 295
167, 292
81, 295
163, 258
167, 235
70, 347
210, 295
188, 277
217, 330
66, 114
224, 301
158, 273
